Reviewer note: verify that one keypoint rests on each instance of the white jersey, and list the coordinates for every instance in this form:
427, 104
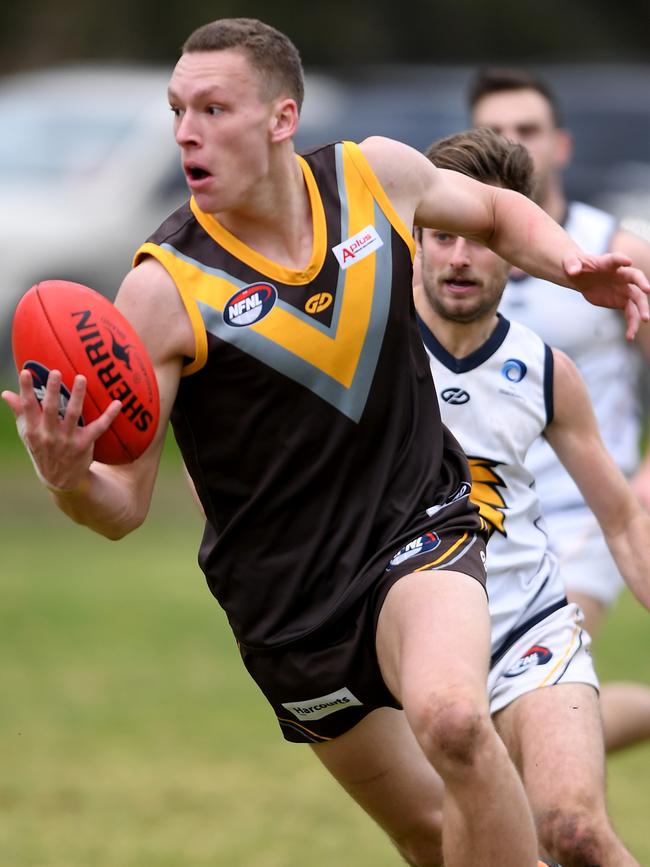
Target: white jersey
594, 337
497, 402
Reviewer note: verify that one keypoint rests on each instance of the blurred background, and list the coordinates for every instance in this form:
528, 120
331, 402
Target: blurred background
88, 166
130, 735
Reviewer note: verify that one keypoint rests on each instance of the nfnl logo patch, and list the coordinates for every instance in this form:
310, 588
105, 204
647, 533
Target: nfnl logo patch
428, 542
249, 305
357, 247
536, 655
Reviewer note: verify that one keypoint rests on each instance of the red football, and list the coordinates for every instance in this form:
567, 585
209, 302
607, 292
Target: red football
65, 326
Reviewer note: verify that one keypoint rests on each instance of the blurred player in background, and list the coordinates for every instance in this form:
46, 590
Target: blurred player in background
500, 388
525, 110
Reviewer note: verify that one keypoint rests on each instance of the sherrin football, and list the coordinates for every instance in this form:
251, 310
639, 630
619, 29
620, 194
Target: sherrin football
65, 326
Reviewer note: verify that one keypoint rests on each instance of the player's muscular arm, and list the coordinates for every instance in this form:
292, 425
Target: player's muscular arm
575, 437
118, 498
438, 198
509, 223
114, 500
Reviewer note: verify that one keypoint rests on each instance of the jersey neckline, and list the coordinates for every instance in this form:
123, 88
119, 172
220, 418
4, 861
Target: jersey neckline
474, 359
258, 261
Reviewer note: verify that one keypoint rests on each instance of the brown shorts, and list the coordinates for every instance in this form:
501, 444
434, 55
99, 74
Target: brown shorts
323, 685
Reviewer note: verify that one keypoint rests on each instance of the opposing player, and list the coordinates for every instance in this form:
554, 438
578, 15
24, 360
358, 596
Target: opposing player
525, 110
276, 306
501, 387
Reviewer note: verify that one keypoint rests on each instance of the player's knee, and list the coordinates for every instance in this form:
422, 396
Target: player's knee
574, 837
421, 844
451, 730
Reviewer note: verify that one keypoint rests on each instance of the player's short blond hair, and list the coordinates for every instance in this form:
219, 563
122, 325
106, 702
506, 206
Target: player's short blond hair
272, 55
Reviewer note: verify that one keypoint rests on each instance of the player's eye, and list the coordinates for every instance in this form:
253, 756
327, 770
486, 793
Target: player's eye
444, 237
527, 130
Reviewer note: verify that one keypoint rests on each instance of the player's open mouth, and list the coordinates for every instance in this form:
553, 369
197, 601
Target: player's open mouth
459, 285
197, 174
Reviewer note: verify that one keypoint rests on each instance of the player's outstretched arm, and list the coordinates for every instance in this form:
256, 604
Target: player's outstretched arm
509, 223
112, 500
575, 437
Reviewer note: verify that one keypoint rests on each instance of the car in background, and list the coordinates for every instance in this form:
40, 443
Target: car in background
88, 170
89, 166
606, 107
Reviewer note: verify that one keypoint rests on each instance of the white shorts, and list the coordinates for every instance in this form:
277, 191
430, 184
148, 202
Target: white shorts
586, 566
555, 650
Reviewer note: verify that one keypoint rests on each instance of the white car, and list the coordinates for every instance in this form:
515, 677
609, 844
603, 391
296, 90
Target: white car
88, 169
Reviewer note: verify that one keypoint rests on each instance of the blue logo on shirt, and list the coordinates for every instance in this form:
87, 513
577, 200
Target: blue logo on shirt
514, 370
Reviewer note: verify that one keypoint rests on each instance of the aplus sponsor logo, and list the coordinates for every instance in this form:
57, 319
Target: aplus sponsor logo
357, 247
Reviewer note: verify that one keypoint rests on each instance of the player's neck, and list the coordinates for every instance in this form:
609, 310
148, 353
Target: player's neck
460, 339
277, 221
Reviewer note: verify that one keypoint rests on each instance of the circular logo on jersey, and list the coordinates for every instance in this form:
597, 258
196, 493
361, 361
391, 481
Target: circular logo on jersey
249, 305
427, 542
514, 370
536, 655
455, 395
40, 375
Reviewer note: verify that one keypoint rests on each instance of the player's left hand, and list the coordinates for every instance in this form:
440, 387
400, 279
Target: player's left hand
610, 280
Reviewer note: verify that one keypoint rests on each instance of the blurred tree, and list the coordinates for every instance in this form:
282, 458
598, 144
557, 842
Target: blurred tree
40, 32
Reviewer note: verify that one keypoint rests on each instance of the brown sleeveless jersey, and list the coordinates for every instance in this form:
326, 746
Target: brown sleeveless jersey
307, 418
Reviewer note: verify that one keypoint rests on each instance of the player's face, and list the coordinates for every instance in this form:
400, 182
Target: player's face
525, 117
462, 280
222, 125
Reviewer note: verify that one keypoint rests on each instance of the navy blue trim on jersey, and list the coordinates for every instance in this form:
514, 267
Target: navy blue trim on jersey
549, 369
474, 359
514, 636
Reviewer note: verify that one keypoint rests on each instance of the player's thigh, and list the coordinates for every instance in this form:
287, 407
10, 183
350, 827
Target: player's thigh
380, 764
433, 637
554, 735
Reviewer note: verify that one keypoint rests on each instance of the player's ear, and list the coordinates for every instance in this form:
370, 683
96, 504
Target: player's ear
284, 120
563, 147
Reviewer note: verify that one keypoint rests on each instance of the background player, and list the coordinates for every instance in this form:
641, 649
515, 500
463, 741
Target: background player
524, 109
339, 537
500, 388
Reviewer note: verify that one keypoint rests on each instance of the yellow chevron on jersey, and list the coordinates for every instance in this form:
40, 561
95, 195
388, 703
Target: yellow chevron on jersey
335, 360
486, 494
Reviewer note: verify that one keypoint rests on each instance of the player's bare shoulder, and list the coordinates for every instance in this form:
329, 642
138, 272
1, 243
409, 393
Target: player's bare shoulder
149, 298
404, 173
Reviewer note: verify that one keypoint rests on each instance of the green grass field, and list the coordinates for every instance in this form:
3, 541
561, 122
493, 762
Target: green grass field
130, 735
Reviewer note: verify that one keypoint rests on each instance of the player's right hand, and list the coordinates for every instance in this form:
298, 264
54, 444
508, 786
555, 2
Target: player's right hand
61, 449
